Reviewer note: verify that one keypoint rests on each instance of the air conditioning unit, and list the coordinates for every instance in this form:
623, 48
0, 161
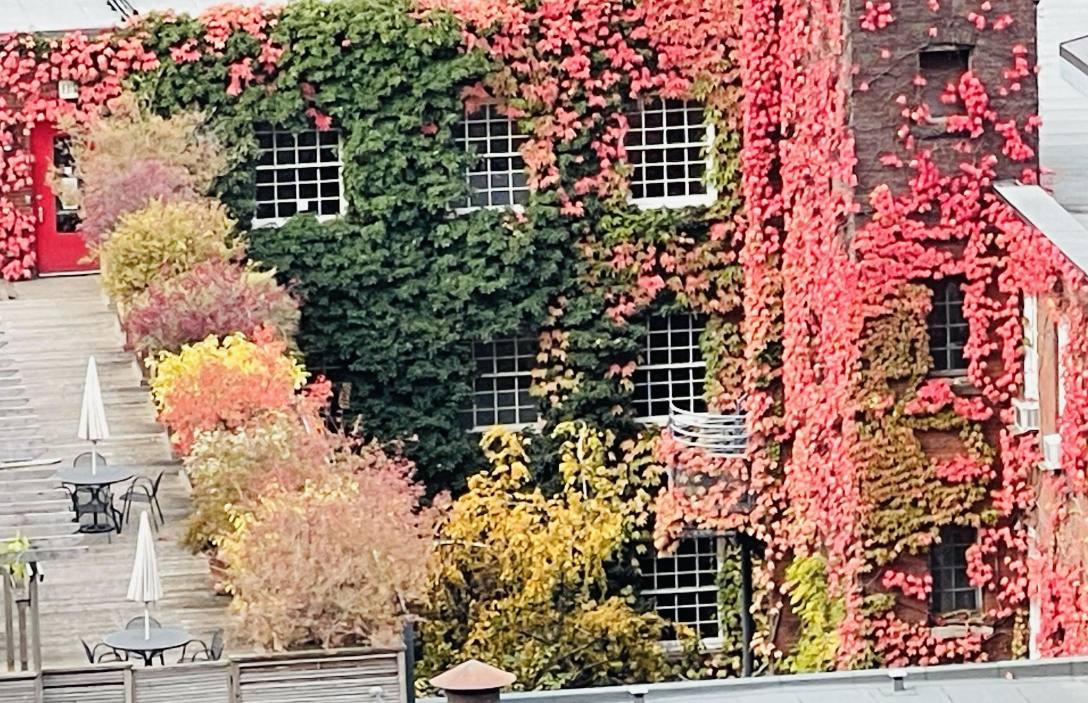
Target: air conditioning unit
1052, 452
1026, 417
67, 90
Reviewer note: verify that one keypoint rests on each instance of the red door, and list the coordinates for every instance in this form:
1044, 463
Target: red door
61, 248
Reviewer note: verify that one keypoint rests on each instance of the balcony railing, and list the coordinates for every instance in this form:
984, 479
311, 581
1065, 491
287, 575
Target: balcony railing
716, 434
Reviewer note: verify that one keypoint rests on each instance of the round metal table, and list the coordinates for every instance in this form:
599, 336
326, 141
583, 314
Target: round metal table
159, 640
101, 502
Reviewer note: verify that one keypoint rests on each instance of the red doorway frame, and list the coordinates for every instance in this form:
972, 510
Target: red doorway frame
58, 252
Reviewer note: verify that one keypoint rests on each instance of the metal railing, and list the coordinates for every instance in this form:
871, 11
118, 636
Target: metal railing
717, 434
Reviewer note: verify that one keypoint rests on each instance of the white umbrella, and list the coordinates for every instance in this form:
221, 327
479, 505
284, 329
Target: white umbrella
92, 415
145, 586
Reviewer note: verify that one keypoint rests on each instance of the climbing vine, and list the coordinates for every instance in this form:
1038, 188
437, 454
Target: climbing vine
810, 265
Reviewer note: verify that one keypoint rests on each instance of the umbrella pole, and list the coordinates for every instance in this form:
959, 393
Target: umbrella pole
94, 457
147, 620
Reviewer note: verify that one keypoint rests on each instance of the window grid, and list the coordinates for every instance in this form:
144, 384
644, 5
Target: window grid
947, 328
503, 376
298, 173
952, 589
666, 146
684, 586
672, 369
496, 177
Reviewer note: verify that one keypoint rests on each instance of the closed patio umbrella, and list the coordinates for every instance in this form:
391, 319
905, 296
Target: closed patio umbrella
92, 415
145, 586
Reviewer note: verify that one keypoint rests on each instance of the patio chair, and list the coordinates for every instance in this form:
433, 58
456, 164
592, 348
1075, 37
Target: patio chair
144, 490
197, 650
100, 653
137, 623
84, 460
79, 462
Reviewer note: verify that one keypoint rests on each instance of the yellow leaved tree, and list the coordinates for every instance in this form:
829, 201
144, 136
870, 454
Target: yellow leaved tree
519, 578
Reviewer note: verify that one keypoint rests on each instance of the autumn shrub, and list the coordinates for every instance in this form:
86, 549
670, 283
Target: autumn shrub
229, 468
215, 298
337, 563
126, 156
223, 383
520, 579
161, 241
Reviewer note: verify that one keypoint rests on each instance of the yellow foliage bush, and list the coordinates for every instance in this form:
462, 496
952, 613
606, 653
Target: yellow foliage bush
162, 240
224, 384
520, 577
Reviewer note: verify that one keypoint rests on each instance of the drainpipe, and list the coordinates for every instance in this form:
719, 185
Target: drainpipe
746, 625
473, 682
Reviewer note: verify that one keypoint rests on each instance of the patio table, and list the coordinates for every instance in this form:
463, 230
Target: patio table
101, 502
159, 640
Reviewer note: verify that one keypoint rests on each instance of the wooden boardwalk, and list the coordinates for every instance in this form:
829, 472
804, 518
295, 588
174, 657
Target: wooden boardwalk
51, 329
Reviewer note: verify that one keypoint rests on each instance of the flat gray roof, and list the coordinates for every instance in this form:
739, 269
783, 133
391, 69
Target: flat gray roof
1048, 216
1074, 55
65, 15
1038, 681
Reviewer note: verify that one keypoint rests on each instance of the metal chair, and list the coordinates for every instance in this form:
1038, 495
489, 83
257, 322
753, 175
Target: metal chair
203, 652
137, 623
94, 656
79, 462
144, 490
84, 460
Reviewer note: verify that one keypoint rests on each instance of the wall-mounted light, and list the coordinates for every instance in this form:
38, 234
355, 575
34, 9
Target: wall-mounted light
67, 90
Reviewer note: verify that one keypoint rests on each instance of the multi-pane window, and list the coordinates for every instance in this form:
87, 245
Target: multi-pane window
952, 590
672, 369
500, 393
297, 173
667, 143
947, 327
940, 67
684, 586
496, 177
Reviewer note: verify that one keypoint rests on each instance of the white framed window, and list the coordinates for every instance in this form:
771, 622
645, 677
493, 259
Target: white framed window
684, 585
496, 178
667, 147
297, 173
672, 370
501, 382
1031, 348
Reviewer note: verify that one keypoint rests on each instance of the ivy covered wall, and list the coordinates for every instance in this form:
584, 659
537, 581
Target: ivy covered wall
837, 205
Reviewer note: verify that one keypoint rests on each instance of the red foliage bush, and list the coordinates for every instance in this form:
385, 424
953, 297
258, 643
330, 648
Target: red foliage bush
215, 298
130, 189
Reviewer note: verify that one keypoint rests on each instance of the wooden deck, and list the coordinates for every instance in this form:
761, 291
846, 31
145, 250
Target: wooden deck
51, 329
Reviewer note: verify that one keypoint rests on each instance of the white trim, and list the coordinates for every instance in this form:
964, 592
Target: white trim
525, 415
1031, 350
276, 202
694, 329
672, 572
665, 107
1063, 343
488, 115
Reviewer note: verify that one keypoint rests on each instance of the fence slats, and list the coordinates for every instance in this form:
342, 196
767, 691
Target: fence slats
198, 683
346, 676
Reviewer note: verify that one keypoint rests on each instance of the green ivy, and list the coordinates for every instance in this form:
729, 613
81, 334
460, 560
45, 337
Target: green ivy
397, 289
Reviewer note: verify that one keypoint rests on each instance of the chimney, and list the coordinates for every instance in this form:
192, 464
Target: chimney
472, 682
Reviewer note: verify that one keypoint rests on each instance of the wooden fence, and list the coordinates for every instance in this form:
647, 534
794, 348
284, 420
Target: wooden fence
22, 642
337, 676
